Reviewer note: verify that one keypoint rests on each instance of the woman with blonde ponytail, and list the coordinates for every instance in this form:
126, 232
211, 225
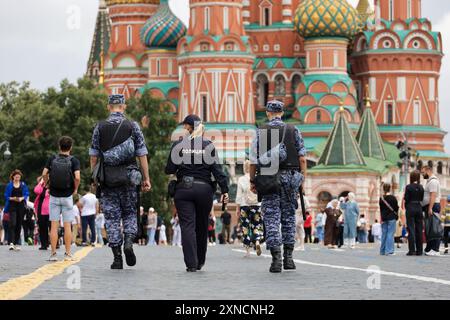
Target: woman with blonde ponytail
194, 161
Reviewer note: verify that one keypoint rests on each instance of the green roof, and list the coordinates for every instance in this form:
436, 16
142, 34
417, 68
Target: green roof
101, 41
433, 154
341, 148
369, 138
413, 129
165, 87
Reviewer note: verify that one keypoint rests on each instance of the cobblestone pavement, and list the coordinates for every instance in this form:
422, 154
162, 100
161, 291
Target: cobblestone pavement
160, 274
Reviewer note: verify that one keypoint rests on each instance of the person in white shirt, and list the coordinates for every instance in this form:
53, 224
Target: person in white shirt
376, 231
248, 211
176, 241
89, 210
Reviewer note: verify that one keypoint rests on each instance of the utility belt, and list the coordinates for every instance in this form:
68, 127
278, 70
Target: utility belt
187, 183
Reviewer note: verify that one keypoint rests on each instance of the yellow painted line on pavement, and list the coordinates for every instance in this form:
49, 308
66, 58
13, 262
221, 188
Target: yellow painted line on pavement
19, 287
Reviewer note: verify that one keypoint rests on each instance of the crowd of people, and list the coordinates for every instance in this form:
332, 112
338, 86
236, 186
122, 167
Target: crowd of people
416, 220
27, 223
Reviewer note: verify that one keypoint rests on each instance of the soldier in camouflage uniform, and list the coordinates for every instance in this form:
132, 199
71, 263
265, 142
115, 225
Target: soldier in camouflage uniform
119, 142
286, 156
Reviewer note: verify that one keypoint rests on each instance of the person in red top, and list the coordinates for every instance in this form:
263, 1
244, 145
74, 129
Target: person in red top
307, 226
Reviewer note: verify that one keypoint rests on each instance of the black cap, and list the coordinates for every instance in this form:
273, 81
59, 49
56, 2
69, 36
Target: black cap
191, 120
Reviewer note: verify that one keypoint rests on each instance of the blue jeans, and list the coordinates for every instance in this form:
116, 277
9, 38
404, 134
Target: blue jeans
88, 221
362, 236
387, 237
151, 236
99, 235
319, 233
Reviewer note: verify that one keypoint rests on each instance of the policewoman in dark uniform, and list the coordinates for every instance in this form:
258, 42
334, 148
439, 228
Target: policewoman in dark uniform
194, 161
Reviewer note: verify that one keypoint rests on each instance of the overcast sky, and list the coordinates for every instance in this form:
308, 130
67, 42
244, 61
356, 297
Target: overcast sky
41, 42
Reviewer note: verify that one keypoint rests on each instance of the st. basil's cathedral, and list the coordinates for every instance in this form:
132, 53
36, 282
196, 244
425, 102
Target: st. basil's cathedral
355, 81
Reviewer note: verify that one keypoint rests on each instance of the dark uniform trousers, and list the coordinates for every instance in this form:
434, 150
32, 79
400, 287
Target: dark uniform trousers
119, 205
194, 206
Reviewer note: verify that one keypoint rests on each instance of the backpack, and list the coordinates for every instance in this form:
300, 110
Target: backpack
61, 175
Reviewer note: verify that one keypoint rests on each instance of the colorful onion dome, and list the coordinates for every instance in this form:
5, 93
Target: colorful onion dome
113, 2
326, 18
164, 29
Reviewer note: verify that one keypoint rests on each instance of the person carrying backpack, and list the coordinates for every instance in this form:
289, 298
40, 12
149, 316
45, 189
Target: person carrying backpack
63, 172
116, 143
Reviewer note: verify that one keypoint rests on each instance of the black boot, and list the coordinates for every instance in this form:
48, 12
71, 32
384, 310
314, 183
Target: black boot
118, 262
128, 250
288, 262
277, 264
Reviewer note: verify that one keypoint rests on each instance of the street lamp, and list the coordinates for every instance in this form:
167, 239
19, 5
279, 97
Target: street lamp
7, 154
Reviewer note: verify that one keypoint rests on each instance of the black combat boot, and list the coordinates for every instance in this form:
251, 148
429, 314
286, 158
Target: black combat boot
277, 264
288, 262
128, 250
118, 261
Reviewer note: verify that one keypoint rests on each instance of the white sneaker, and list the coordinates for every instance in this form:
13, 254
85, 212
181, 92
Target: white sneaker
12, 247
68, 257
17, 248
53, 257
432, 253
299, 249
214, 244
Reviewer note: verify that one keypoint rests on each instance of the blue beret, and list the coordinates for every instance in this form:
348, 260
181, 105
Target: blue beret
116, 99
275, 106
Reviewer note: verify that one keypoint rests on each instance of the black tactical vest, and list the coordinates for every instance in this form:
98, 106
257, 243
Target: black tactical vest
107, 130
292, 161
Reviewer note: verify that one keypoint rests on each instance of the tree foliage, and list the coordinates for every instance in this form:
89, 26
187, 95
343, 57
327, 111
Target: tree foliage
32, 122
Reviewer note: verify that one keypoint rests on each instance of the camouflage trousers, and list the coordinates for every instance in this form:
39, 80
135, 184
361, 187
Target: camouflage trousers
252, 225
279, 210
119, 205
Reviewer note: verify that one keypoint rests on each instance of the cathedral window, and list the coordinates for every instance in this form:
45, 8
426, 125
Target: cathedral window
231, 107
204, 46
226, 18
416, 112
319, 116
391, 10
129, 36
262, 93
204, 107
389, 112
265, 13
280, 85
319, 59
409, 9
158, 67
207, 21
